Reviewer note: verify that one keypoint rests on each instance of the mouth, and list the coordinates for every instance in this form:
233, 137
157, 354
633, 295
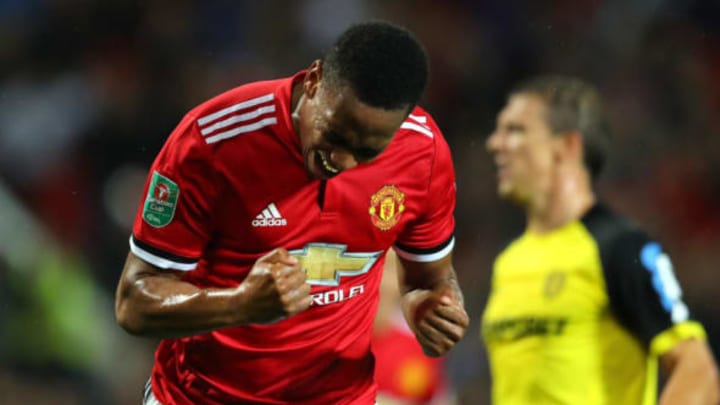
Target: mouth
321, 167
326, 162
501, 170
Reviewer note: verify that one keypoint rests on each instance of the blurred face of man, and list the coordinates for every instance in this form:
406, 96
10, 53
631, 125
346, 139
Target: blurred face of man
337, 131
523, 148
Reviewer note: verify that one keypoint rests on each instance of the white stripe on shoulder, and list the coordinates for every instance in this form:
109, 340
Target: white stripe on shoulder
158, 261
239, 106
425, 258
238, 118
241, 130
418, 128
419, 118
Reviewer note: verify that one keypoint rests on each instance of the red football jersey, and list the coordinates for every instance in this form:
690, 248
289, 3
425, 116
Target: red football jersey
230, 185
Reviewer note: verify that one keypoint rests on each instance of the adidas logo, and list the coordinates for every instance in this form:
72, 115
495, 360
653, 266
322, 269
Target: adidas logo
270, 216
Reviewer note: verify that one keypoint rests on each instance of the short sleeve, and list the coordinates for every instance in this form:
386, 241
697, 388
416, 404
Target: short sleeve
430, 237
644, 292
174, 220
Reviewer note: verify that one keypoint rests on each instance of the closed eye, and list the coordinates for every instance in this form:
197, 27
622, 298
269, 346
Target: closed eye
515, 128
335, 139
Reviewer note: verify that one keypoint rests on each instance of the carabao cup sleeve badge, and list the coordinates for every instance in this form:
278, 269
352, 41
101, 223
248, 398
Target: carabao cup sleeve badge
386, 207
161, 201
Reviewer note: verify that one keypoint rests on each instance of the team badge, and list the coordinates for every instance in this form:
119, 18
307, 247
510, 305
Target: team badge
554, 284
386, 207
161, 201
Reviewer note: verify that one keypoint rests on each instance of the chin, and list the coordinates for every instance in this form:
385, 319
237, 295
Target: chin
310, 170
310, 166
505, 191
314, 172
509, 194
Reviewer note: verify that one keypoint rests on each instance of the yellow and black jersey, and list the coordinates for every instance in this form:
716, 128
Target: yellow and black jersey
580, 315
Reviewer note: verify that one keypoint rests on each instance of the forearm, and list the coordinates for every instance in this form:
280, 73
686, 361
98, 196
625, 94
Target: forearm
168, 307
450, 284
443, 284
439, 276
433, 306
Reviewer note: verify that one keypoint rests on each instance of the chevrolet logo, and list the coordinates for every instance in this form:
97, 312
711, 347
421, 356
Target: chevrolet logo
325, 263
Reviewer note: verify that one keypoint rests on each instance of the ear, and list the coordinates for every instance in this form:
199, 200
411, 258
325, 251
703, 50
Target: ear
312, 78
569, 146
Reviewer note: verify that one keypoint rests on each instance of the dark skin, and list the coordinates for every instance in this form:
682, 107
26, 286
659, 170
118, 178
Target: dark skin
432, 304
156, 302
337, 133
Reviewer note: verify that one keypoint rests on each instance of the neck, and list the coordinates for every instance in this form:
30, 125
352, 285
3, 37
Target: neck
568, 198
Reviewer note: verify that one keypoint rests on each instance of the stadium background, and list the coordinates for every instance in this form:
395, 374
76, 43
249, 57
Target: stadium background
90, 89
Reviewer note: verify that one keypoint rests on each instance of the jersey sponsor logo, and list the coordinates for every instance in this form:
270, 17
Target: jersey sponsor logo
339, 295
326, 263
270, 216
386, 207
161, 201
664, 281
512, 329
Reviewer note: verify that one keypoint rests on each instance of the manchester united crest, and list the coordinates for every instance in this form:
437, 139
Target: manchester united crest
386, 207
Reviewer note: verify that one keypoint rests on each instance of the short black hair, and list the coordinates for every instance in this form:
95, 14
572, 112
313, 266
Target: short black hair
574, 105
384, 64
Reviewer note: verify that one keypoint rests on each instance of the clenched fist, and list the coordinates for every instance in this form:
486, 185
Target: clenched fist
275, 288
437, 318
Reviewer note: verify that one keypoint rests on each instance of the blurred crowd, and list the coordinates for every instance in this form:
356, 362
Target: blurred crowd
89, 90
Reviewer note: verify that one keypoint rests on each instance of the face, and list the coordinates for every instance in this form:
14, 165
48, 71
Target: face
524, 148
337, 131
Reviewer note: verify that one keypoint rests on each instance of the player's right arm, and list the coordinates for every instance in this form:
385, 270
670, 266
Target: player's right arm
174, 224
156, 302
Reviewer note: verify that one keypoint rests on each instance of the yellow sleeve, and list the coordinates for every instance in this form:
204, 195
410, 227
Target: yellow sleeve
666, 340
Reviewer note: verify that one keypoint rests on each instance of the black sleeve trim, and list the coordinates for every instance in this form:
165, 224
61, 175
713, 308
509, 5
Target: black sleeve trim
426, 251
161, 253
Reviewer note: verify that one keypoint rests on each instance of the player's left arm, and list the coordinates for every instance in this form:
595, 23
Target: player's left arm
647, 298
433, 304
693, 374
432, 301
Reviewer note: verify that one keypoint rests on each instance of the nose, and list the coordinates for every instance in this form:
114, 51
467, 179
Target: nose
492, 143
342, 159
